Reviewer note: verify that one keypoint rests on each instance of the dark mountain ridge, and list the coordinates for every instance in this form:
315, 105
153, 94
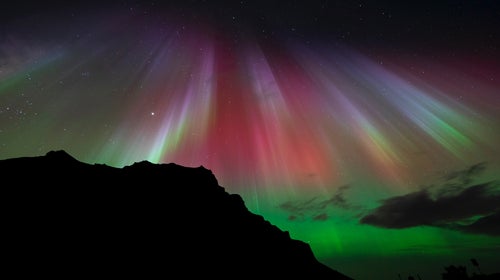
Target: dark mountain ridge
66, 218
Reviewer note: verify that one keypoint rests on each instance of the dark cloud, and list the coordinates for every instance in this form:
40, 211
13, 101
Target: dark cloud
452, 205
292, 218
467, 175
486, 225
320, 217
456, 181
338, 199
298, 210
316, 208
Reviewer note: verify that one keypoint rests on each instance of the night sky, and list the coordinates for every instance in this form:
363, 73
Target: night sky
368, 129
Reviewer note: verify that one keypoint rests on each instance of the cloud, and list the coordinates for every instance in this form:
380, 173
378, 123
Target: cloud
338, 199
456, 181
486, 225
320, 217
299, 209
316, 208
452, 205
466, 176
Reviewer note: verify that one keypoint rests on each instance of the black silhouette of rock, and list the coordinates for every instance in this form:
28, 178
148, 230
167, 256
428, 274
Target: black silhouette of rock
64, 218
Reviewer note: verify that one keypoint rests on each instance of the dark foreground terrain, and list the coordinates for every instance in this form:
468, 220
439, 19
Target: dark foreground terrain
64, 219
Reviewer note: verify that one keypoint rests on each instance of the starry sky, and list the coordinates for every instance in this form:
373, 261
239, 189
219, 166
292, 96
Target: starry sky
368, 129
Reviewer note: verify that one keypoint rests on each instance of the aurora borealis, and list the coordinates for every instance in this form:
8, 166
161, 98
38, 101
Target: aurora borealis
314, 132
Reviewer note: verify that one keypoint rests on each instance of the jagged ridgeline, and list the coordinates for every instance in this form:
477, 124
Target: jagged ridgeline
65, 218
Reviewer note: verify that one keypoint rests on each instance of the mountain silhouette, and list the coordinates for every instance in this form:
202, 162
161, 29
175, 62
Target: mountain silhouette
66, 218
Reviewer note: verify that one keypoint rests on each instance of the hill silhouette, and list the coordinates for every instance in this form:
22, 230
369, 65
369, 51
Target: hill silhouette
66, 218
